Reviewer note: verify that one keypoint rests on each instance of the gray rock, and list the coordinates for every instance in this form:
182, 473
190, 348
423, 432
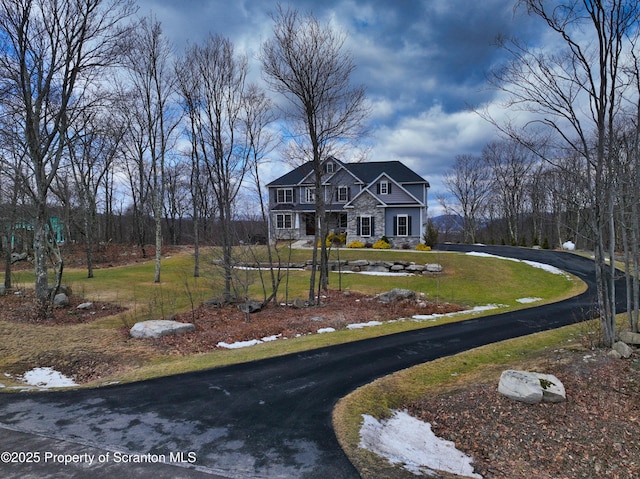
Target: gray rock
60, 300
613, 354
415, 268
378, 268
623, 348
217, 302
396, 294
250, 307
531, 388
629, 337
359, 262
87, 305
396, 267
433, 268
3, 290
159, 327
15, 257
299, 303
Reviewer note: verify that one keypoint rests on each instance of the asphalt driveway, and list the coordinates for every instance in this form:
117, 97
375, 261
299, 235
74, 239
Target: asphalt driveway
268, 419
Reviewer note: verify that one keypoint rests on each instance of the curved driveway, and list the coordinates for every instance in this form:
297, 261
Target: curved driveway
268, 419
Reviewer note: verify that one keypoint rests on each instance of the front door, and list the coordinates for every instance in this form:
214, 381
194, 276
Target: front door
310, 224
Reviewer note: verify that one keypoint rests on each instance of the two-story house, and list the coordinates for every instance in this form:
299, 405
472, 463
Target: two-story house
365, 200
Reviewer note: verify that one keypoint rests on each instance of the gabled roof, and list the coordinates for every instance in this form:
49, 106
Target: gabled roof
366, 172
396, 170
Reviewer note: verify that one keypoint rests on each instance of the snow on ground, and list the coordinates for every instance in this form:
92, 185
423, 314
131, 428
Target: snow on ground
47, 378
375, 273
489, 255
477, 309
528, 300
363, 325
246, 344
403, 439
326, 330
546, 267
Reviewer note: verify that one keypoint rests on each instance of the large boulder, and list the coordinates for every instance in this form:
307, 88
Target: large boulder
157, 328
531, 387
15, 257
433, 267
60, 300
250, 307
629, 337
623, 349
396, 294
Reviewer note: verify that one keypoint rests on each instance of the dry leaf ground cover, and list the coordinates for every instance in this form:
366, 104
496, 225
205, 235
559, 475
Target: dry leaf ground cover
594, 434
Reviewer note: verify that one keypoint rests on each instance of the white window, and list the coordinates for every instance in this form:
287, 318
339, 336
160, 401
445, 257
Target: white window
310, 194
402, 225
384, 187
342, 221
365, 226
284, 221
329, 167
284, 195
343, 194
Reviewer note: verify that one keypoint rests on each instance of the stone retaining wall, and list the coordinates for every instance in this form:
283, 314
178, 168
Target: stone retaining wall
361, 265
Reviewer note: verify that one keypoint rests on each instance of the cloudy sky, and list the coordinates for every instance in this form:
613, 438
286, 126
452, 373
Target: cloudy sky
423, 63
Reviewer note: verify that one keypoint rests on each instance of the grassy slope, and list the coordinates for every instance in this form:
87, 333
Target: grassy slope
467, 280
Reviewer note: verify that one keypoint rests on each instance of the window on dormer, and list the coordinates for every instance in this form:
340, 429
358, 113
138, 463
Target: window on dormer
329, 167
384, 188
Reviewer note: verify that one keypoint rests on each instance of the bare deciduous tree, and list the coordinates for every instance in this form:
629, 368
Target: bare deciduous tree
93, 147
52, 53
469, 181
153, 83
306, 62
213, 85
576, 92
509, 163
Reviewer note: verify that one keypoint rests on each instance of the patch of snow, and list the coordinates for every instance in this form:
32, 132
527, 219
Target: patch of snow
546, 267
47, 378
239, 344
363, 325
489, 255
271, 338
476, 309
569, 246
528, 300
326, 330
375, 273
403, 439
253, 268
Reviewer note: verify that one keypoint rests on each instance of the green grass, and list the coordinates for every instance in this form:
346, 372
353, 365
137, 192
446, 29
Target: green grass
467, 280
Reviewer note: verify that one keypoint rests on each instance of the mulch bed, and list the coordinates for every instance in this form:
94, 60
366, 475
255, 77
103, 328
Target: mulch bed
594, 434
337, 310
21, 306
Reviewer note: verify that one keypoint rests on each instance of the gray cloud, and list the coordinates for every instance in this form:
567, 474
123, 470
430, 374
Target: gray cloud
423, 62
